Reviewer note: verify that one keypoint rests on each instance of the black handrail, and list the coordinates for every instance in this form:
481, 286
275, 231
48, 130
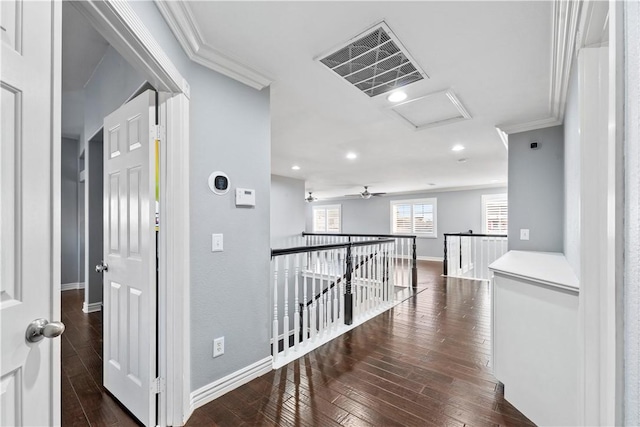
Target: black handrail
470, 233
475, 235
312, 248
413, 237
410, 236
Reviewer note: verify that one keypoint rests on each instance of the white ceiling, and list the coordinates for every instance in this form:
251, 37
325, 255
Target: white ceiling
495, 56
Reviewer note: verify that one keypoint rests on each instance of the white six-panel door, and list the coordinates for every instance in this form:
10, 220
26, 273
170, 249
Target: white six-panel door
130, 254
26, 215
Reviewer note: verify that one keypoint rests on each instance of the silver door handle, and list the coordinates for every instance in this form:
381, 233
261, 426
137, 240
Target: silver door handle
41, 328
102, 267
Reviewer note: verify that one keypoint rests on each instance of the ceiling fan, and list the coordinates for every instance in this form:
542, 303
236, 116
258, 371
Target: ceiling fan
310, 198
366, 194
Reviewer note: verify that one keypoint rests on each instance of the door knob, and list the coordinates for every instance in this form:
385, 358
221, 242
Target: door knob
41, 328
102, 267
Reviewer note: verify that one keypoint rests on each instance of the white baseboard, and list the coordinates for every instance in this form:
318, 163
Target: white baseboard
431, 258
90, 308
212, 391
71, 286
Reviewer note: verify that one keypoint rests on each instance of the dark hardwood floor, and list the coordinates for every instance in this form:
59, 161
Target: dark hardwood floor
423, 363
84, 401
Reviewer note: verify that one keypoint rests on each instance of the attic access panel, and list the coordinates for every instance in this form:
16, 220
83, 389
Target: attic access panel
432, 110
375, 62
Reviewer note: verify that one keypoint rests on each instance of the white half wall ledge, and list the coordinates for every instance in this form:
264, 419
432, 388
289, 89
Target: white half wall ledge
213, 390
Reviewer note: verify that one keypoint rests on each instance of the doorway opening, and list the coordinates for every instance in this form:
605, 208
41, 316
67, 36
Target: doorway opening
96, 81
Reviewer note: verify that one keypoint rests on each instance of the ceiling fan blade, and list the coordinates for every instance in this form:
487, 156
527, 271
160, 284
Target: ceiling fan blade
378, 194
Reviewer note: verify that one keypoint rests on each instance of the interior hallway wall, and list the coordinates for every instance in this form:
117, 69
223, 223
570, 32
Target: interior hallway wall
229, 131
287, 210
457, 211
69, 251
536, 190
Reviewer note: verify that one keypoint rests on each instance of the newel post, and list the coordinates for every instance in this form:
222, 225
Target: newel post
444, 260
348, 296
414, 268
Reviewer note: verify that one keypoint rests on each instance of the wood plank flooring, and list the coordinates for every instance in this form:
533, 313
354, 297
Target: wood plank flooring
85, 402
424, 363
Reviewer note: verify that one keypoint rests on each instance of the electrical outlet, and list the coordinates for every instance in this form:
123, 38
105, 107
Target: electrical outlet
218, 347
524, 234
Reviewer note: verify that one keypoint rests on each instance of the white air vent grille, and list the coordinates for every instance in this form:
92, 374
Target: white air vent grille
374, 62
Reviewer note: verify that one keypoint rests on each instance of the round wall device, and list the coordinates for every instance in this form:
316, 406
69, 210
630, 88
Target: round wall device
219, 182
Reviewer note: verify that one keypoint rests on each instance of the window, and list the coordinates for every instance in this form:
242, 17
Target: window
414, 217
326, 219
495, 210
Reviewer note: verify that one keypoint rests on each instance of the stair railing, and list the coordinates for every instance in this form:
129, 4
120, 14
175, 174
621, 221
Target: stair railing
319, 291
405, 261
468, 255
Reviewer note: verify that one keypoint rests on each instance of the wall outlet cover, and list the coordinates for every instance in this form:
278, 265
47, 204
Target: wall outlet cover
218, 347
524, 234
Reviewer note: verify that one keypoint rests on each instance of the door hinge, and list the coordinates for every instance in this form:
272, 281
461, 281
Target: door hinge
159, 132
157, 385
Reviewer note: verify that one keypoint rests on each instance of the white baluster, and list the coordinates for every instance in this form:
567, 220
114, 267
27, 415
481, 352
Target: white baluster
323, 276
275, 309
336, 276
305, 307
312, 316
285, 319
296, 314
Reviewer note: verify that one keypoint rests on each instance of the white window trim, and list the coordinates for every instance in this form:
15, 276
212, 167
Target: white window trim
326, 208
488, 198
430, 200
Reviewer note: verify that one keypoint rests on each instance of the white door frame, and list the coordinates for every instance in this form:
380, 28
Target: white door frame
601, 226
122, 28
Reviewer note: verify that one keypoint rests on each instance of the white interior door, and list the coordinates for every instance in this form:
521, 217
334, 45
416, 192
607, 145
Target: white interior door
130, 256
29, 371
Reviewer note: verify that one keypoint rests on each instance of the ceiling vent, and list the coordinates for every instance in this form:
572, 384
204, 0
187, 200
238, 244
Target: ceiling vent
374, 62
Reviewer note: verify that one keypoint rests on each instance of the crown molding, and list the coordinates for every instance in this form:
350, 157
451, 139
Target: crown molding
532, 125
180, 19
568, 18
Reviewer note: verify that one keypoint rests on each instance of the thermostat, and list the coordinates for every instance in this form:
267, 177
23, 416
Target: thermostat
219, 182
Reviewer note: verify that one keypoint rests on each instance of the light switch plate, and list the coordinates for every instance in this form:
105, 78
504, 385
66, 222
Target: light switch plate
217, 243
524, 234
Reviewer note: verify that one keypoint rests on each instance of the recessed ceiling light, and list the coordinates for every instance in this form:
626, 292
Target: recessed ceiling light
493, 181
462, 160
431, 184
351, 155
457, 147
397, 96
295, 167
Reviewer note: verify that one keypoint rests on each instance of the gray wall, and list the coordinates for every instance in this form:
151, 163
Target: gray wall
572, 175
69, 252
287, 210
229, 131
536, 190
94, 219
457, 211
111, 84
